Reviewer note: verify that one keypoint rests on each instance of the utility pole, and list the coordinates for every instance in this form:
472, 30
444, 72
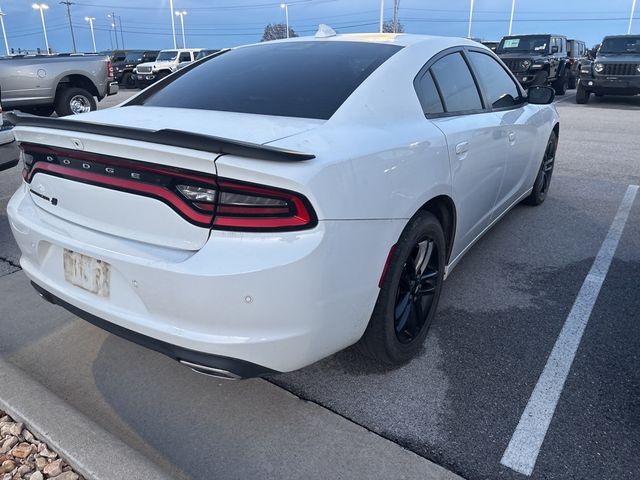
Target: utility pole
73, 37
4, 32
513, 7
396, 6
115, 28
633, 10
381, 16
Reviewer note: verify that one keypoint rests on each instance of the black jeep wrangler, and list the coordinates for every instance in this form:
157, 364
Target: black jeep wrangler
123, 69
537, 60
615, 70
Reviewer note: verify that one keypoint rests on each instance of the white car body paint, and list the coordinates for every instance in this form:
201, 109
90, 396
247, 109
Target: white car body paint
378, 160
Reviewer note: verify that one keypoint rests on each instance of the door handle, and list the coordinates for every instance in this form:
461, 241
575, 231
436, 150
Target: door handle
462, 147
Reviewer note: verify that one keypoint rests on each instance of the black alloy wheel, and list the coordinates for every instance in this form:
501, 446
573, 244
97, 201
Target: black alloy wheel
543, 179
416, 291
409, 293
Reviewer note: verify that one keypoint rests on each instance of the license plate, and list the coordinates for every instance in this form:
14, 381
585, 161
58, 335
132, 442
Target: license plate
87, 273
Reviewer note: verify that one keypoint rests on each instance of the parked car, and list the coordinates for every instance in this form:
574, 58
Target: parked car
615, 70
165, 64
68, 85
537, 60
578, 56
8, 147
315, 198
491, 45
199, 55
124, 70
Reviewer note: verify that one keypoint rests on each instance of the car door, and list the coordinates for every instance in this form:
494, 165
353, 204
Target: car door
476, 155
517, 130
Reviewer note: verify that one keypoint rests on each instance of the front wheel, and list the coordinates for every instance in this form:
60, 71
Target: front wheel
73, 101
582, 94
573, 82
561, 84
409, 294
543, 179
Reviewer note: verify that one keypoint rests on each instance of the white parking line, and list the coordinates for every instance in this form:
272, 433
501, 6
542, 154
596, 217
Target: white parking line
523, 449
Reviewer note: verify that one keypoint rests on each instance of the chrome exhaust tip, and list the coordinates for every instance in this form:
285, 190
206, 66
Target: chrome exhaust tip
211, 371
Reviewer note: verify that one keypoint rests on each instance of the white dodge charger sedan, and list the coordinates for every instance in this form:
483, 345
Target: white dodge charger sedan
275, 203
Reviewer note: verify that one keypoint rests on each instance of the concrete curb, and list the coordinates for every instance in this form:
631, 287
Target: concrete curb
89, 449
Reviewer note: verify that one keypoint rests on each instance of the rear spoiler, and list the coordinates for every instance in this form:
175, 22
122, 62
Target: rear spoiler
174, 138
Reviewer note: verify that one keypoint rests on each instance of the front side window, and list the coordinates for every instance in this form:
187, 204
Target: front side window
456, 84
499, 87
290, 79
185, 57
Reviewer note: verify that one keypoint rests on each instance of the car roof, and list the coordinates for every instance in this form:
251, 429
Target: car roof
623, 36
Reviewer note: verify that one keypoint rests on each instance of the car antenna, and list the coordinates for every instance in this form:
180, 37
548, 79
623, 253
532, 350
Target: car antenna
325, 31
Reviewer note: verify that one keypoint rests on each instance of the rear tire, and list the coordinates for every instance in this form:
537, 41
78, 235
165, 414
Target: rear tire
582, 94
409, 295
74, 100
127, 82
573, 82
543, 179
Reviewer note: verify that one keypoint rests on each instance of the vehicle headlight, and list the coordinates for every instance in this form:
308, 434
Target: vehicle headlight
526, 64
598, 67
638, 68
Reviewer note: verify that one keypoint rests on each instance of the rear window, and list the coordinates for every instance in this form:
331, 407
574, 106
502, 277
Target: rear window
296, 79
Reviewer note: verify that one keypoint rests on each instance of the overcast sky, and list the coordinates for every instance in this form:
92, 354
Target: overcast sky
225, 23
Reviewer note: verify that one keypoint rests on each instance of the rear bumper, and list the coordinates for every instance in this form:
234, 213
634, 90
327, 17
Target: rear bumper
608, 86
113, 88
251, 304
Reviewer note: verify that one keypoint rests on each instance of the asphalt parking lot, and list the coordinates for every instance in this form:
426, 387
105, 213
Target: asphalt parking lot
458, 404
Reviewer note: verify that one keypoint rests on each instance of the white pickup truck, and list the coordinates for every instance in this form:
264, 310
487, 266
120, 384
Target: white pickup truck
165, 64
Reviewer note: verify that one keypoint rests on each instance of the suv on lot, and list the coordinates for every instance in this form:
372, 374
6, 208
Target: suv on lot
578, 56
615, 70
165, 64
124, 68
537, 60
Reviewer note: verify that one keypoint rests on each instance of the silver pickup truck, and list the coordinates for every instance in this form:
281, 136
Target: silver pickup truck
43, 84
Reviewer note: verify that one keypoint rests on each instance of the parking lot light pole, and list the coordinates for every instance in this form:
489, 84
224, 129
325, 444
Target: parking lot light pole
181, 15
470, 19
381, 16
93, 37
42, 7
513, 7
633, 10
286, 15
173, 26
4, 33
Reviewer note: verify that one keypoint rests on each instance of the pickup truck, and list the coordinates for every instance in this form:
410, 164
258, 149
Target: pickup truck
68, 85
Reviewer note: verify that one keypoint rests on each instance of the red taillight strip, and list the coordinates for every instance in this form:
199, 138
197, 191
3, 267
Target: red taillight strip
130, 186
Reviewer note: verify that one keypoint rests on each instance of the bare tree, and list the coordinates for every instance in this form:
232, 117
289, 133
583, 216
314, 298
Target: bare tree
387, 27
276, 31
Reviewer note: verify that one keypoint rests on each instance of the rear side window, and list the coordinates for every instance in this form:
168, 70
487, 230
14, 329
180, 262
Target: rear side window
428, 94
292, 79
185, 57
458, 89
498, 85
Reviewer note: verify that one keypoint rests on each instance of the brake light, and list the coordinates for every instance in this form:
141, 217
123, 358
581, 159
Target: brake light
201, 199
244, 206
110, 69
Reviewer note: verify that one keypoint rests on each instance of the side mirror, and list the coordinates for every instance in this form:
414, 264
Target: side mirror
554, 49
541, 95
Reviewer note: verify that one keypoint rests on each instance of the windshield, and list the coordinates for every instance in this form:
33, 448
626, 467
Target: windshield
133, 57
621, 45
167, 55
529, 43
291, 79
